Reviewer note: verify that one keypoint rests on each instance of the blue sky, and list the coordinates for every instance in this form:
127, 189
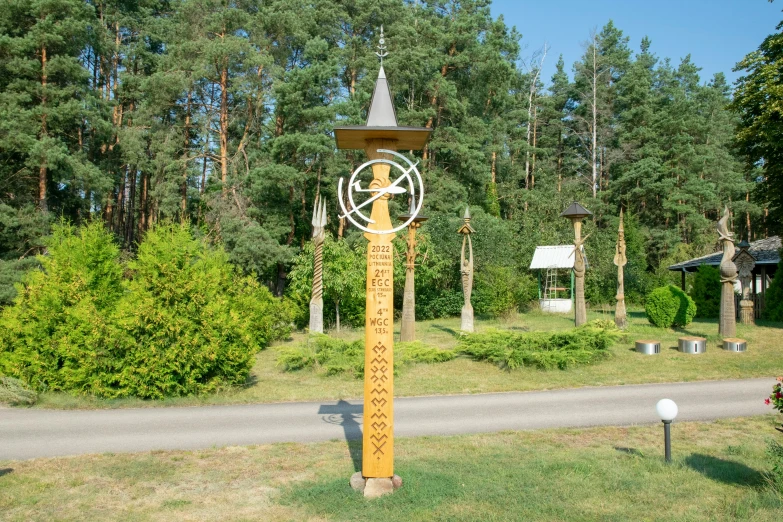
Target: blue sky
716, 33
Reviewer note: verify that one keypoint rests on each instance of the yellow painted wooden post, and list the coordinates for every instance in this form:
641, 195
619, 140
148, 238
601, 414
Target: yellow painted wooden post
378, 435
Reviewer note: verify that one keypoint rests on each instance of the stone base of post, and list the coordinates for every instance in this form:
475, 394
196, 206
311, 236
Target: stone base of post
375, 487
746, 312
467, 319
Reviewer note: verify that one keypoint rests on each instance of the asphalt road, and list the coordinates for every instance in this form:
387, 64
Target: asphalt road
31, 433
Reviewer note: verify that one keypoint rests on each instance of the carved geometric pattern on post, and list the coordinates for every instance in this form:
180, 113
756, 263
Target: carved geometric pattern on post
379, 369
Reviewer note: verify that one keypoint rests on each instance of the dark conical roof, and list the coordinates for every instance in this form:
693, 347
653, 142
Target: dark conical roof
576, 211
381, 124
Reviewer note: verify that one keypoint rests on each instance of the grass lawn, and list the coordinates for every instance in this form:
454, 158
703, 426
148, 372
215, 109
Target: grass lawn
268, 383
574, 474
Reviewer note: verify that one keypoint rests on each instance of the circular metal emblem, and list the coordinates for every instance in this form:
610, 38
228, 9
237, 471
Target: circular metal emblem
404, 184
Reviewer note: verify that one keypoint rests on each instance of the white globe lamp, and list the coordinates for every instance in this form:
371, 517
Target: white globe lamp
667, 411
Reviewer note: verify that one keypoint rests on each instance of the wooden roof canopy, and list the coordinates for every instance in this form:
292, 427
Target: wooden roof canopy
381, 124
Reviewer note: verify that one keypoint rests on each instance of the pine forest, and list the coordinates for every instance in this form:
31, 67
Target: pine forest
220, 115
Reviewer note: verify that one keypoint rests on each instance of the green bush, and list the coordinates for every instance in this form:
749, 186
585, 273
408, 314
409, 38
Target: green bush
669, 306
185, 323
60, 333
706, 292
546, 350
15, 393
333, 356
499, 289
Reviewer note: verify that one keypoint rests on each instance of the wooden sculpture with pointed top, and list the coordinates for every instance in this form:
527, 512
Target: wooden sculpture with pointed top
466, 270
317, 296
620, 317
379, 138
576, 213
728, 276
408, 319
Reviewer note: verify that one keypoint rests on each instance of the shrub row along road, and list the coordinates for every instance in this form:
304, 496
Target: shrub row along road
30, 433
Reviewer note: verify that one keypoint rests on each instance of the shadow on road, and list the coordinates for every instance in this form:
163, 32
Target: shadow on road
346, 414
726, 471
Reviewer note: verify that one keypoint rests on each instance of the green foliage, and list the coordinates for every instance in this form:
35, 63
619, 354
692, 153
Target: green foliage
546, 350
11, 273
669, 306
15, 393
333, 356
499, 289
184, 324
344, 278
706, 291
59, 334
774, 297
182, 334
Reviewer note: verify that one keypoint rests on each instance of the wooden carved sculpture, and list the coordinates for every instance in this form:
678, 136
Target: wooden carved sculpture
620, 318
728, 276
466, 269
317, 296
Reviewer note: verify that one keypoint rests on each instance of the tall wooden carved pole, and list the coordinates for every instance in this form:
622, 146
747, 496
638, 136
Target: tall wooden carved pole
317, 297
379, 138
408, 320
466, 269
576, 213
620, 318
728, 276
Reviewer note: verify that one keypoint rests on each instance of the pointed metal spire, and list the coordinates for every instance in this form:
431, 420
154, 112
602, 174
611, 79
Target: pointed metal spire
382, 48
381, 113
381, 119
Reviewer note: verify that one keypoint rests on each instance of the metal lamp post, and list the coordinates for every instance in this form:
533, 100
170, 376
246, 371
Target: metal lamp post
667, 411
408, 323
576, 213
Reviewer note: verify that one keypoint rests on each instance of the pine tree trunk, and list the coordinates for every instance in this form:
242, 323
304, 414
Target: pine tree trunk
224, 126
183, 206
43, 168
595, 119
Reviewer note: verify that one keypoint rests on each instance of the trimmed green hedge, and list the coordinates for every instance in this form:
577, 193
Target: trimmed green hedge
332, 356
669, 306
546, 350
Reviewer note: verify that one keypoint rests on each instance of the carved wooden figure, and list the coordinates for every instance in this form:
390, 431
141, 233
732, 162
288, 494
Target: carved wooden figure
576, 213
745, 263
317, 297
727, 326
466, 269
620, 317
408, 319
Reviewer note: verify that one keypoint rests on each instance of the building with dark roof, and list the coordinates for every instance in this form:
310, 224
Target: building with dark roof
766, 252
